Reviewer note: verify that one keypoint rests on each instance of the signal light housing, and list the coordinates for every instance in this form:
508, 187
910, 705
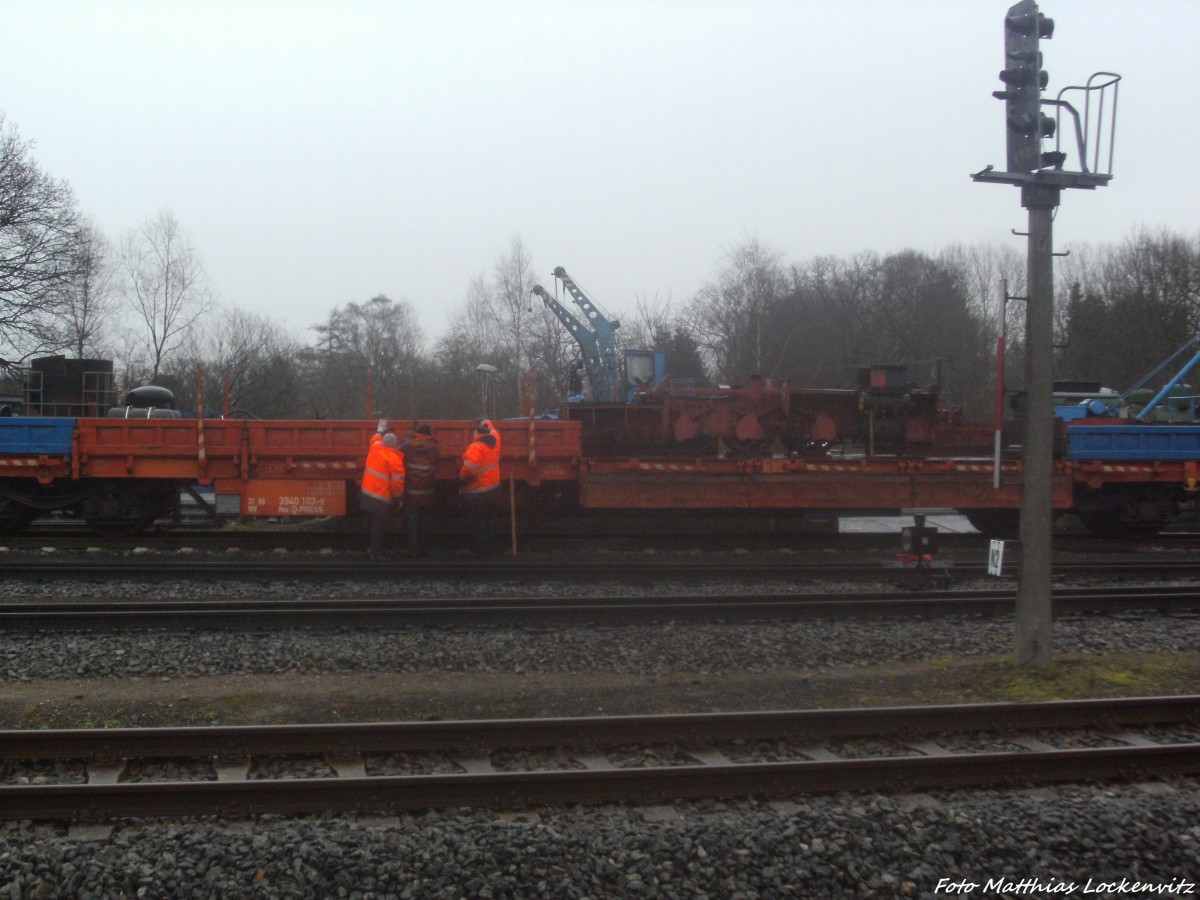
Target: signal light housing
1025, 79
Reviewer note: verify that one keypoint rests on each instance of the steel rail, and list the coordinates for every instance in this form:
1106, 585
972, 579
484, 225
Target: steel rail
641, 785
466, 611
350, 541
70, 536
712, 775
141, 568
358, 737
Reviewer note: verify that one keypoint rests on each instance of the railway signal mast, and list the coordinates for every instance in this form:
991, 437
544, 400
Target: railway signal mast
1042, 176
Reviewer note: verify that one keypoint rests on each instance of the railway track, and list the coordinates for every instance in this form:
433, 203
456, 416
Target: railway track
450, 531
613, 567
108, 774
715, 534
482, 611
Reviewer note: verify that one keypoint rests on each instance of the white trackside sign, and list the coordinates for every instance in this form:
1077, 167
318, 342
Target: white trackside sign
995, 557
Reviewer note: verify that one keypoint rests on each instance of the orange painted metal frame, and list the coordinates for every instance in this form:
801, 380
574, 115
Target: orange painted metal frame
876, 483
242, 456
239, 450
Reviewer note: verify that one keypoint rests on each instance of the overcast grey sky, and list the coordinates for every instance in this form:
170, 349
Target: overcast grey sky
324, 152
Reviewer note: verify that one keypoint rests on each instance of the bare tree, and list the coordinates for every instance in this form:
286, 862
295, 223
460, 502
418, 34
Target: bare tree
923, 315
130, 364
379, 341
471, 339
829, 316
511, 311
38, 243
166, 285
730, 318
87, 307
1128, 308
650, 318
255, 359
985, 270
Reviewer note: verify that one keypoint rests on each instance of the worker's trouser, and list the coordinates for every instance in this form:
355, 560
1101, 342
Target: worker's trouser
416, 524
378, 512
480, 508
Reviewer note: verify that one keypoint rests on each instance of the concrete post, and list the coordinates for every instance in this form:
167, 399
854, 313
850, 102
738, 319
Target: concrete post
1033, 613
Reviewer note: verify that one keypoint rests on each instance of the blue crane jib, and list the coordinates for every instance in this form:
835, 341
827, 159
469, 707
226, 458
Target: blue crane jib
596, 336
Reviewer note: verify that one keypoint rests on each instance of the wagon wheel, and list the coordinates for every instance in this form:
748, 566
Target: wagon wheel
1108, 523
107, 527
1140, 512
119, 510
14, 516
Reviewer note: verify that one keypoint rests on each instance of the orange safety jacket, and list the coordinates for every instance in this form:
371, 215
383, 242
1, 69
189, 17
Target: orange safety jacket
383, 477
480, 470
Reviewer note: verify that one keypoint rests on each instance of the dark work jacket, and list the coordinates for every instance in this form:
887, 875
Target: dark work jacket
420, 455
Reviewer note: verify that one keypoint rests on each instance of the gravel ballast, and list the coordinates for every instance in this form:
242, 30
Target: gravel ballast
1104, 839
638, 650
634, 649
1006, 843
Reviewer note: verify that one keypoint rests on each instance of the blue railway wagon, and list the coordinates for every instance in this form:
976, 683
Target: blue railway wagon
36, 436
1133, 442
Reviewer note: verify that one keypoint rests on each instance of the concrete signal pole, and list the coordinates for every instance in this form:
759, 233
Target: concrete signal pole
1033, 613
1041, 178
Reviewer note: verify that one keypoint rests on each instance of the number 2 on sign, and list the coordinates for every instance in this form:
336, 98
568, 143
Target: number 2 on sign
995, 557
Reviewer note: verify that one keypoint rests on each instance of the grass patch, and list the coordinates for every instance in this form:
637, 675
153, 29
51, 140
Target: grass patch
1066, 678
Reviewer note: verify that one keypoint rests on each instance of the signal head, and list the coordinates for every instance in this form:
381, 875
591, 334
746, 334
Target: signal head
1025, 79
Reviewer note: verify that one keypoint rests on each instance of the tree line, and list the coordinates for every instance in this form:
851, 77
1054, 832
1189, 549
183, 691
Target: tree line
145, 301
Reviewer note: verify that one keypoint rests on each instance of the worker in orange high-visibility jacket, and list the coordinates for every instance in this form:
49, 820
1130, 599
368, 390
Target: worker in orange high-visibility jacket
479, 487
382, 484
492, 430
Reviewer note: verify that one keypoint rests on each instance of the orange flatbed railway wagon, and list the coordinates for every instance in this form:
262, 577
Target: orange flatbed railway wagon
121, 474
289, 457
